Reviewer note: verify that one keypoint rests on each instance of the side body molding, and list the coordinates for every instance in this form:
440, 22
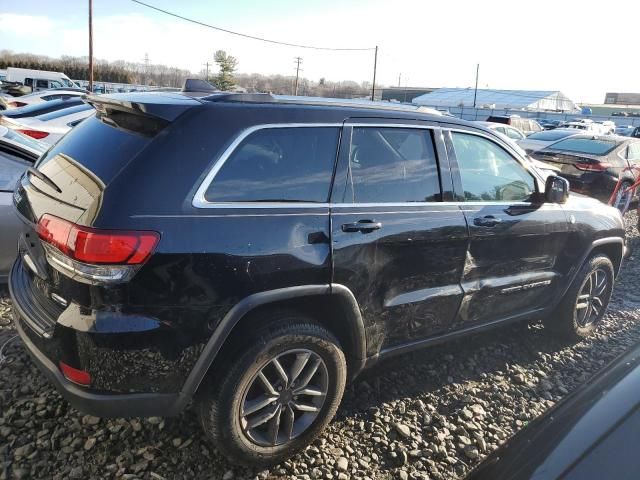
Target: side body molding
230, 320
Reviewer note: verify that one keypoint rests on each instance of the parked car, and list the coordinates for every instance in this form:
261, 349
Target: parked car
50, 127
17, 153
593, 164
537, 141
547, 124
38, 109
525, 125
591, 434
588, 125
257, 269
625, 130
510, 132
544, 169
46, 95
38, 79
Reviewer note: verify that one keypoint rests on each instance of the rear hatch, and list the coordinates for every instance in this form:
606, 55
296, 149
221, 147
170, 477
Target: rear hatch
68, 183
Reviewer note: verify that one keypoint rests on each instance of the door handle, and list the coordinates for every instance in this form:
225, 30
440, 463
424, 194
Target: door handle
364, 226
486, 221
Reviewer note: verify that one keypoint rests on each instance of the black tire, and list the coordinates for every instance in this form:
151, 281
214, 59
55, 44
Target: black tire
223, 403
568, 319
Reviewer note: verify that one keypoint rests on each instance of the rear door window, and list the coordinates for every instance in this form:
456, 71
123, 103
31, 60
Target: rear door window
392, 164
287, 164
42, 84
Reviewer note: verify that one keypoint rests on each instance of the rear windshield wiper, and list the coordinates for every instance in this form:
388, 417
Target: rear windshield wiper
44, 178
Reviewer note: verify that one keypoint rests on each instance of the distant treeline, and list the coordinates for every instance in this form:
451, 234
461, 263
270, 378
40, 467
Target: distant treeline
77, 68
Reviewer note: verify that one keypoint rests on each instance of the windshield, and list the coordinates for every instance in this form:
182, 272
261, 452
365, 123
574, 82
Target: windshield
550, 135
593, 146
63, 112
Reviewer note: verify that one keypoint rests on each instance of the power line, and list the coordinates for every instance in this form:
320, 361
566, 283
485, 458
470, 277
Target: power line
249, 36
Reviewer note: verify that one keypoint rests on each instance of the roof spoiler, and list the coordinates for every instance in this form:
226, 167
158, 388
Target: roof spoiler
142, 104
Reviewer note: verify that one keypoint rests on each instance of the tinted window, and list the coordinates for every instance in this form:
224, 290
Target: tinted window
63, 112
51, 97
392, 165
101, 148
488, 172
594, 146
514, 134
42, 84
278, 164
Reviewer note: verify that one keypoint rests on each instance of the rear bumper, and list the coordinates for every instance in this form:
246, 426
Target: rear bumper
97, 403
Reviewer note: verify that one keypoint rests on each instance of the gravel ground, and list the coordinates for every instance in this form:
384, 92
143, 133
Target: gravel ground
428, 415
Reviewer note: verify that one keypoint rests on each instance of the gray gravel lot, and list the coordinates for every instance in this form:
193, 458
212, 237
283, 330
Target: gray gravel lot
428, 415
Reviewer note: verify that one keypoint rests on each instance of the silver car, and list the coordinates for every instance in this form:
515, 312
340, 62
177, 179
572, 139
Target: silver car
17, 153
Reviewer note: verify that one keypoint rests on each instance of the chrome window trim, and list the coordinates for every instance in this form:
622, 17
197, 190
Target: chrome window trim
199, 200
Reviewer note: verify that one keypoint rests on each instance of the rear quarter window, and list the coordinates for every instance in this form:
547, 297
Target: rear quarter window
288, 164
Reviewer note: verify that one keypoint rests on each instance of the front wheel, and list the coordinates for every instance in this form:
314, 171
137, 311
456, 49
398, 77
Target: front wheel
586, 301
277, 395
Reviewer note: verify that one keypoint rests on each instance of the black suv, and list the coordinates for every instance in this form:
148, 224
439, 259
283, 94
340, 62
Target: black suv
253, 253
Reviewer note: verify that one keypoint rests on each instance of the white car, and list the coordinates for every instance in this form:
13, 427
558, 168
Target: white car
508, 131
50, 127
538, 141
45, 96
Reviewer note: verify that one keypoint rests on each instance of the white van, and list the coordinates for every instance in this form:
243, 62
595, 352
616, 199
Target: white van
39, 79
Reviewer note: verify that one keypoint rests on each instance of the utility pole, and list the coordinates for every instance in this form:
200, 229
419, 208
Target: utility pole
298, 61
375, 67
146, 68
399, 78
207, 65
475, 93
91, 46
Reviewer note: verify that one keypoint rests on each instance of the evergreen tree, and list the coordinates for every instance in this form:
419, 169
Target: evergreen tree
225, 80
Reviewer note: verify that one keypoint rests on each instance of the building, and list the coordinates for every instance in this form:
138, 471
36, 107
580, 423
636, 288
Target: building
403, 94
533, 100
612, 98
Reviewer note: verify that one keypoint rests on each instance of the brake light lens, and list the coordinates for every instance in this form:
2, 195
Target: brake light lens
37, 134
96, 246
17, 104
593, 166
74, 375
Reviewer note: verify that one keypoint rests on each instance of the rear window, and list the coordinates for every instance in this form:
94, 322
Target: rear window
289, 164
99, 147
592, 146
41, 108
63, 112
550, 135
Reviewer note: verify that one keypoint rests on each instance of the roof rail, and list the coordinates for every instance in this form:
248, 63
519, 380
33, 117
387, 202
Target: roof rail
319, 101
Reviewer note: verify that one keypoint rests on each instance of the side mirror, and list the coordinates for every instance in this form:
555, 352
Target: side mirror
556, 189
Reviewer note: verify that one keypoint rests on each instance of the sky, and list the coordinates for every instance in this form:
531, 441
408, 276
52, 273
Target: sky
583, 49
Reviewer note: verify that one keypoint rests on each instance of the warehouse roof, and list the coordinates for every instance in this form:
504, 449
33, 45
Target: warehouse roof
517, 99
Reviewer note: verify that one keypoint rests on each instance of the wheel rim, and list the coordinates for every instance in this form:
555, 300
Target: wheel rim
591, 301
284, 398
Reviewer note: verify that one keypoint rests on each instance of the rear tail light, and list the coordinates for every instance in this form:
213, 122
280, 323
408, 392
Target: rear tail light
37, 134
94, 254
17, 104
74, 375
593, 166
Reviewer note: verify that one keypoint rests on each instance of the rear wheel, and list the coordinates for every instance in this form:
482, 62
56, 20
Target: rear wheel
586, 301
277, 395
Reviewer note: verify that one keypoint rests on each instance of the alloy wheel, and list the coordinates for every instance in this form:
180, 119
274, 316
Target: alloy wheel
591, 300
284, 397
